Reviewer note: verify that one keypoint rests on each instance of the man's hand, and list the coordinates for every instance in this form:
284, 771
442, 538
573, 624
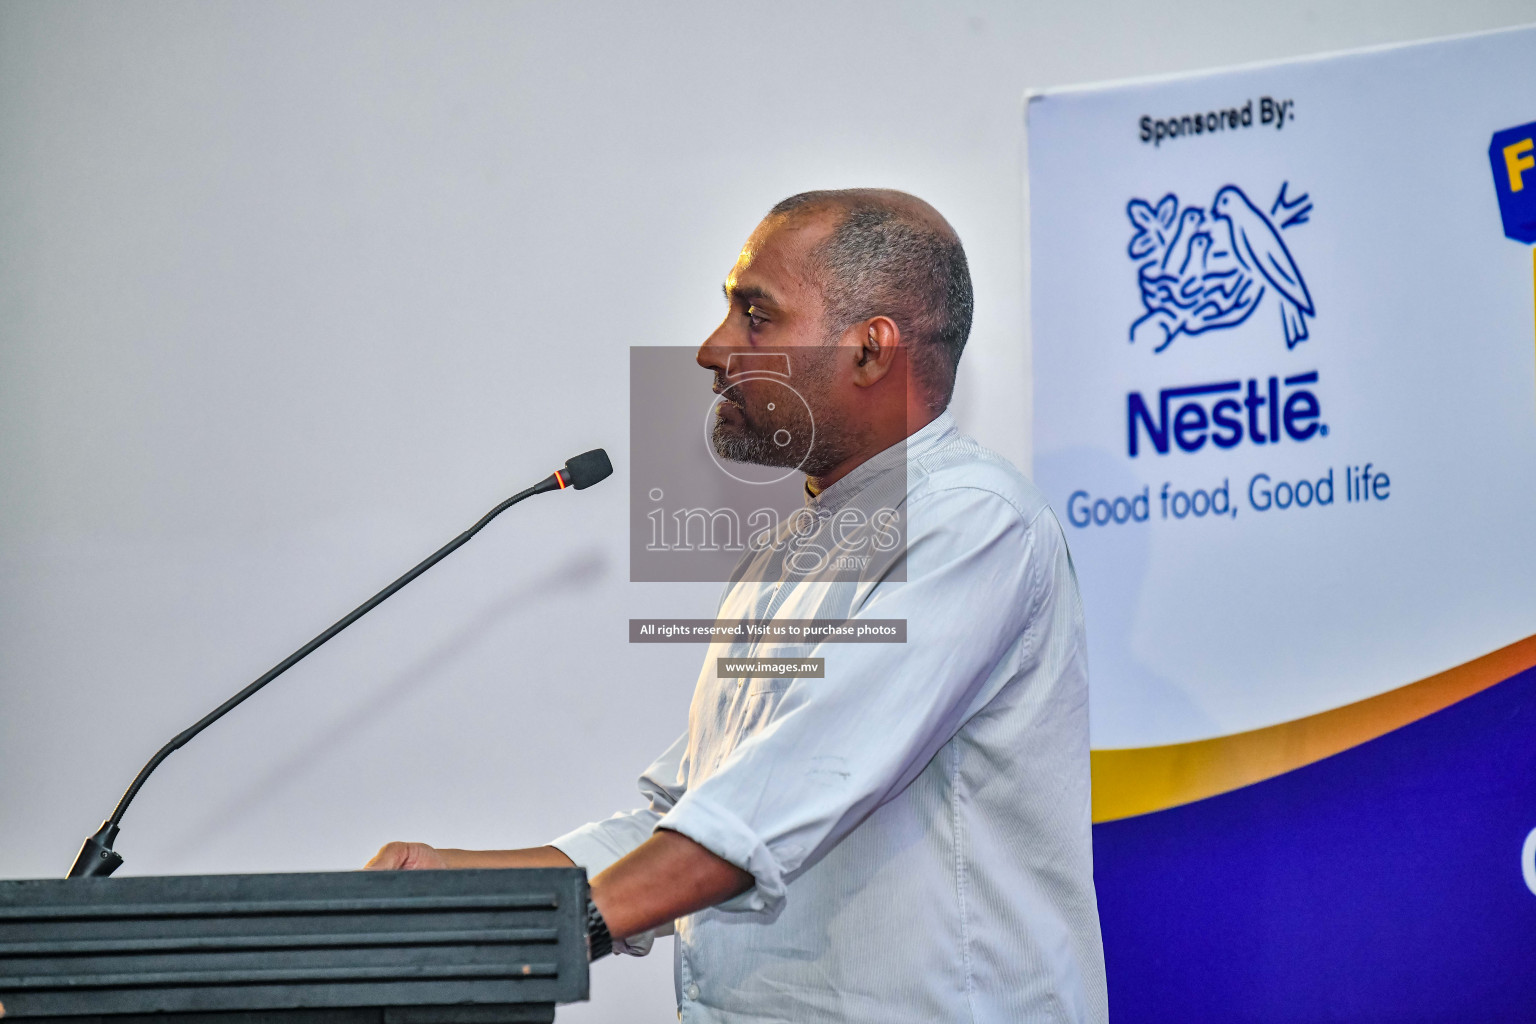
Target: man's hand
406, 857
419, 856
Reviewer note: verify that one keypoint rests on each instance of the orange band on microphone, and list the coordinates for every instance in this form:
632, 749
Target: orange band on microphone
560, 478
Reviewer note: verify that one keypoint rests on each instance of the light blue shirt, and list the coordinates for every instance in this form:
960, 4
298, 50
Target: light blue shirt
917, 822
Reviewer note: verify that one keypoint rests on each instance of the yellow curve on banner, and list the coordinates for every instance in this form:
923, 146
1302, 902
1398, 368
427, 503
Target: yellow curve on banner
1139, 780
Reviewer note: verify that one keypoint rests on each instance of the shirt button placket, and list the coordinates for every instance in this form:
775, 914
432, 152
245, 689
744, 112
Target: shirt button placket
690, 990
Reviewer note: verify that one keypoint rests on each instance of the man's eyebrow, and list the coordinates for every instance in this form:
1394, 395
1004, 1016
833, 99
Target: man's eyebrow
749, 294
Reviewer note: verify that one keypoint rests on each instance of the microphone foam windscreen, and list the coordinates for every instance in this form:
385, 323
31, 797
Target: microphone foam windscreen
589, 468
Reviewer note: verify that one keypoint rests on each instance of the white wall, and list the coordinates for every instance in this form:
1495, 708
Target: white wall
291, 293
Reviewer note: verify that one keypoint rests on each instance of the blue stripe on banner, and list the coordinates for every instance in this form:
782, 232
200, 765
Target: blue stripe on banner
1380, 884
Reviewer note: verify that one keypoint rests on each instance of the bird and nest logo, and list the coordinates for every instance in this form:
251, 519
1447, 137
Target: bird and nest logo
1205, 269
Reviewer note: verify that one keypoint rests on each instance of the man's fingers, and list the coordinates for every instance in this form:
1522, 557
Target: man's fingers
387, 859
406, 857
391, 857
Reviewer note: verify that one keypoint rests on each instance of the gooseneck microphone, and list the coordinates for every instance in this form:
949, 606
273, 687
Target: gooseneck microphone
97, 857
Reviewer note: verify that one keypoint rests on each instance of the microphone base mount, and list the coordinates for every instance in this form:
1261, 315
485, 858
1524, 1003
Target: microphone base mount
96, 854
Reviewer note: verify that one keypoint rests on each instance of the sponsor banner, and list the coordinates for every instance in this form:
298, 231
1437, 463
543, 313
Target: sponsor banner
1285, 373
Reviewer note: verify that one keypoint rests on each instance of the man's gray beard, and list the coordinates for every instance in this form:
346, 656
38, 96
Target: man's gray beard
759, 450
750, 447
755, 446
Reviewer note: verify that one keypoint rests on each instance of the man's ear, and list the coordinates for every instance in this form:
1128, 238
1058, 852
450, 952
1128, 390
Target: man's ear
878, 340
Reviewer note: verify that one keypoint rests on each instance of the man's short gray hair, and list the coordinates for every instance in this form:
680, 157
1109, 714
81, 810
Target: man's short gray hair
891, 254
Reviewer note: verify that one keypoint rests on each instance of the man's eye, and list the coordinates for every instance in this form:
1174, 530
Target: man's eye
756, 317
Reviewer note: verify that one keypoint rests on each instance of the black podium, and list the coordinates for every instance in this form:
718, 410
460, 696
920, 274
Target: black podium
385, 947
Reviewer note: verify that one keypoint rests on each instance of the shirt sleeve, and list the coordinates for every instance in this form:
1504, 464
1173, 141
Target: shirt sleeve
838, 747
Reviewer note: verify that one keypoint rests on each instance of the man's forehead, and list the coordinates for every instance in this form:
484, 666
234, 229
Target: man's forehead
773, 260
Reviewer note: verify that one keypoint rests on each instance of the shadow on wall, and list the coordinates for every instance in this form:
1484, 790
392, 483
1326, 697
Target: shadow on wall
578, 572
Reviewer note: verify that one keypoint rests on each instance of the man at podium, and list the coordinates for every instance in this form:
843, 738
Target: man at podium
907, 836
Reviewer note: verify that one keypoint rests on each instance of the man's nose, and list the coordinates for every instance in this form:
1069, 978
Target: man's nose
711, 354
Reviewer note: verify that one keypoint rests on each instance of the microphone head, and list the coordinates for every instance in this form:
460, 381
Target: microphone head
588, 468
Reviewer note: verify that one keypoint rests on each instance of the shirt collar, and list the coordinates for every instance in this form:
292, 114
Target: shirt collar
917, 444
